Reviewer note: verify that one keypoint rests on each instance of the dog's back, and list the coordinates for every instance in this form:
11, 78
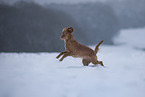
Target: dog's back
78, 50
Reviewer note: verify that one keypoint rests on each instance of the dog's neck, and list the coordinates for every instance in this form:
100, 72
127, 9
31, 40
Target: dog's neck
71, 38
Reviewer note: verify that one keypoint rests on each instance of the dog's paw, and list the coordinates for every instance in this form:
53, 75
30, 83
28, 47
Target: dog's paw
60, 60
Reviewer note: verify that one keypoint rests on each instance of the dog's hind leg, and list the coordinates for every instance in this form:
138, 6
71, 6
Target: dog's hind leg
98, 62
101, 63
95, 61
86, 62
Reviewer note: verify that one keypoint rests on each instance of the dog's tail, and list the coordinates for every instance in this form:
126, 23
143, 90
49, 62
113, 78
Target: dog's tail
97, 46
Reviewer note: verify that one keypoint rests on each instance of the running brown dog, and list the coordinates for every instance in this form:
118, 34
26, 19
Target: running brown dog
75, 49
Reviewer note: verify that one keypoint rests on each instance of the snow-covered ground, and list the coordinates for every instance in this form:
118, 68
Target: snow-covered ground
42, 75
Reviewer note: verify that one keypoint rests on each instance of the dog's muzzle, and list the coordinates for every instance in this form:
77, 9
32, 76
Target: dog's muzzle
62, 37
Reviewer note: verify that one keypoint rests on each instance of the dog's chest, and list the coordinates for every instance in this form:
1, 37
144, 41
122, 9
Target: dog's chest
69, 46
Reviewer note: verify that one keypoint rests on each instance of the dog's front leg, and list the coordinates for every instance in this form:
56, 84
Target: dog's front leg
65, 55
61, 54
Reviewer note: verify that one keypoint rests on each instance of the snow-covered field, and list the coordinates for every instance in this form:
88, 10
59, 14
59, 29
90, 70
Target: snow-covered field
42, 75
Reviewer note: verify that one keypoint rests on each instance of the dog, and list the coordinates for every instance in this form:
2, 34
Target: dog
76, 49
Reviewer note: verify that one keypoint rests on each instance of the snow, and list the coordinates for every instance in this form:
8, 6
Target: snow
42, 75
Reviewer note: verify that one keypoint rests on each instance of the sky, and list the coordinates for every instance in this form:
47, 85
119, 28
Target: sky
55, 1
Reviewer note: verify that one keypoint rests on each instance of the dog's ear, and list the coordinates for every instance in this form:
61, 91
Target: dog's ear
70, 29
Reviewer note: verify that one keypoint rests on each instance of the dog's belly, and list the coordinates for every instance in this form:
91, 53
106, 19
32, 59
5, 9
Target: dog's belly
84, 56
76, 56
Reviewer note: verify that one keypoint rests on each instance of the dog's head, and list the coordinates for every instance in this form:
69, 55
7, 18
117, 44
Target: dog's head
67, 33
